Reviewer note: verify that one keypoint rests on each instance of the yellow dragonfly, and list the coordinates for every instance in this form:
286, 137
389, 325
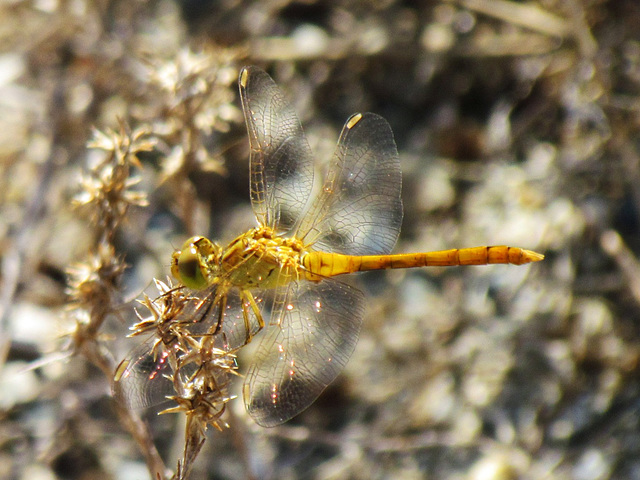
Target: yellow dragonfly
282, 272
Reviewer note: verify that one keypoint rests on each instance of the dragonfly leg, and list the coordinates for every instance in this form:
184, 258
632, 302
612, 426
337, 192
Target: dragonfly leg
204, 312
222, 306
247, 298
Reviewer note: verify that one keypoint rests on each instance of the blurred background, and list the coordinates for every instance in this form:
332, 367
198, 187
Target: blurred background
516, 122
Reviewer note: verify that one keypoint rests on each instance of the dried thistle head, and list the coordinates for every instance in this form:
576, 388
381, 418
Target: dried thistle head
203, 394
93, 281
107, 188
198, 98
198, 368
106, 194
165, 310
201, 85
93, 288
180, 364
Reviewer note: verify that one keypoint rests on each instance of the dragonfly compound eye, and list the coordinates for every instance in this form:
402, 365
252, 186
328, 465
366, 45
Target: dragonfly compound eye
187, 265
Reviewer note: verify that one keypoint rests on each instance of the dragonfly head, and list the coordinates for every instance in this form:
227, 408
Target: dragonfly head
195, 264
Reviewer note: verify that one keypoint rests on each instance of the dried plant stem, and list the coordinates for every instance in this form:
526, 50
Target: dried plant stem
94, 284
193, 443
129, 419
140, 433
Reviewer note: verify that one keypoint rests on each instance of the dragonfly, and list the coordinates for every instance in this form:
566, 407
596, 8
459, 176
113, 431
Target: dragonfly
280, 276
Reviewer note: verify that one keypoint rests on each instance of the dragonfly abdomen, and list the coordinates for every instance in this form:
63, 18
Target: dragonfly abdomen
322, 264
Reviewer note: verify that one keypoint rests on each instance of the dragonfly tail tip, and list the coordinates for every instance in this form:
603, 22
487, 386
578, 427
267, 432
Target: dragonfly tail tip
531, 256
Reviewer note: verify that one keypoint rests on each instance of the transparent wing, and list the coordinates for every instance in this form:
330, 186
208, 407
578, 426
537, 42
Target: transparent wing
359, 210
310, 339
281, 160
140, 380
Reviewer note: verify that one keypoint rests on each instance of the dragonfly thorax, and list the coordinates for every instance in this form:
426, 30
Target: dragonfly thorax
261, 258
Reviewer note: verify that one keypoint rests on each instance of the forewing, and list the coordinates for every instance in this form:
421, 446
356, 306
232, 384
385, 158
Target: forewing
281, 160
309, 341
359, 210
140, 380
